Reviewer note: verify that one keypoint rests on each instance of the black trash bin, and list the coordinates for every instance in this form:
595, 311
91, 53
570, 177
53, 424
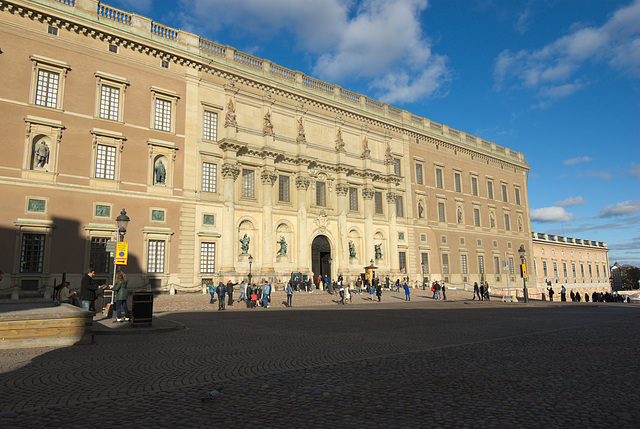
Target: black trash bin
142, 308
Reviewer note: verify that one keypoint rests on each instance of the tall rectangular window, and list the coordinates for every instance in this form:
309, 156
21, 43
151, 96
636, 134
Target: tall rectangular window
419, 178
504, 194
283, 189
321, 196
573, 270
517, 196
439, 183
604, 270
476, 217
396, 167
457, 179
490, 190
481, 264
47, 88
424, 262
590, 272
399, 206
353, 199
507, 224
207, 257
445, 263
564, 269
99, 258
109, 102
545, 270
248, 183
474, 186
597, 270
155, 256
402, 261
378, 202
582, 270
441, 214
162, 115
496, 264
105, 162
32, 253
463, 264
555, 269
511, 267
209, 174
210, 126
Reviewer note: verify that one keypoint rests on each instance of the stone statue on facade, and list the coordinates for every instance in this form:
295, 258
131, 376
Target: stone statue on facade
366, 152
283, 246
160, 172
301, 135
41, 152
492, 221
352, 249
267, 127
244, 246
230, 117
420, 210
339, 141
378, 248
387, 155
459, 215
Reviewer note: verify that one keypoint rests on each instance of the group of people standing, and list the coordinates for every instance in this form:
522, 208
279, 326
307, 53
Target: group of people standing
252, 295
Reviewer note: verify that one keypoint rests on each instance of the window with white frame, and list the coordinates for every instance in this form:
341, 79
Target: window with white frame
47, 89
457, 180
481, 264
441, 212
463, 264
32, 253
207, 257
378, 202
424, 262
155, 256
545, 270
445, 263
105, 162
210, 126
162, 119
474, 186
109, 102
555, 269
511, 266
439, 183
47, 81
496, 264
248, 183
353, 199
402, 261
419, 177
321, 195
209, 174
517, 192
507, 223
504, 193
490, 189
283, 189
476, 216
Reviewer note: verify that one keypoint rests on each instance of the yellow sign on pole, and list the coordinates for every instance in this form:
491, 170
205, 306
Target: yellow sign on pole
523, 269
122, 253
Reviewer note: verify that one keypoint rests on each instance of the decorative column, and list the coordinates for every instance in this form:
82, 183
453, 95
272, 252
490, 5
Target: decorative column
268, 179
342, 260
302, 184
394, 263
230, 173
368, 251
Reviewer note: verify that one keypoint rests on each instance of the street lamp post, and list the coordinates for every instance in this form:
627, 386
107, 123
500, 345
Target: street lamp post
523, 272
423, 282
250, 262
123, 222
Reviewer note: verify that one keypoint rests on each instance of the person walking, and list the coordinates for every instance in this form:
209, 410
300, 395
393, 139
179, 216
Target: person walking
230, 286
265, 294
289, 292
222, 291
481, 291
242, 296
212, 292
379, 291
341, 292
347, 292
476, 291
407, 292
121, 295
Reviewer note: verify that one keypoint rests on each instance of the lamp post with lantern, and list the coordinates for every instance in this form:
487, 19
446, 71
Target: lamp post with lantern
523, 271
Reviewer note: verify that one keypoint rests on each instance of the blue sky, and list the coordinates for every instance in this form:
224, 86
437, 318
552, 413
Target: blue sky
556, 79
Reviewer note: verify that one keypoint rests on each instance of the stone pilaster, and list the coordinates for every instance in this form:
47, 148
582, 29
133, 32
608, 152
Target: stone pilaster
229, 173
268, 178
304, 261
393, 232
368, 251
342, 258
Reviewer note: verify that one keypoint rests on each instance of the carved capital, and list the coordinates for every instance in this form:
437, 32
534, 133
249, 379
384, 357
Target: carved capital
302, 182
230, 170
368, 193
342, 189
268, 177
391, 197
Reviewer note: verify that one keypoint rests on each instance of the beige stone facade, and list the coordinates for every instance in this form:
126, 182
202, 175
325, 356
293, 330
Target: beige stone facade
317, 178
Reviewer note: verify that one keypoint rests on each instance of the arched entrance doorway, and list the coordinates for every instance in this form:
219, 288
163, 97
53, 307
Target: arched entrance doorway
321, 256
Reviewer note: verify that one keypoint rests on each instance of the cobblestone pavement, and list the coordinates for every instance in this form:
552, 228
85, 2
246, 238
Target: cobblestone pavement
418, 364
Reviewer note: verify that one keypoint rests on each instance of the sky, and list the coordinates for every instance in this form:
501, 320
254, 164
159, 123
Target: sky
558, 80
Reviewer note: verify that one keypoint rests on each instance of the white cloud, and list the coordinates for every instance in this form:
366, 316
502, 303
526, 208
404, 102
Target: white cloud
577, 160
606, 177
551, 214
635, 170
551, 68
570, 202
621, 209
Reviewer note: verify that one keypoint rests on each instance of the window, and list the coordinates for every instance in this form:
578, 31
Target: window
439, 183
573, 269
445, 263
511, 269
419, 178
52, 30
283, 189
109, 102
441, 214
604, 270
32, 253
210, 126
424, 261
105, 162
113, 48
597, 271
555, 269
564, 269
496, 264
48, 79
248, 183
209, 219
590, 272
162, 120
47, 89
457, 179
396, 167
582, 270
399, 206
99, 258
474, 186
209, 177
378, 202
443, 239
165, 64
36, 205
490, 190
402, 261
504, 193
207, 257
155, 260
462, 241
481, 264
517, 196
507, 225
476, 217
353, 199
463, 264
321, 196
545, 270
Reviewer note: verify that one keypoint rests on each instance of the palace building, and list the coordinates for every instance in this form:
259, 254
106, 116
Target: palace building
227, 163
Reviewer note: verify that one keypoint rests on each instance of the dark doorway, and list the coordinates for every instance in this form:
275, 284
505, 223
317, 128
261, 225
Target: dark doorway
321, 257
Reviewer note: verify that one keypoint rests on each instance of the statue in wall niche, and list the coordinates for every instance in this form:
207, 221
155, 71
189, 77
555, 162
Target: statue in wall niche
244, 246
519, 225
492, 220
230, 117
301, 135
267, 128
41, 154
283, 246
378, 248
420, 210
459, 215
352, 249
160, 172
339, 141
366, 152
